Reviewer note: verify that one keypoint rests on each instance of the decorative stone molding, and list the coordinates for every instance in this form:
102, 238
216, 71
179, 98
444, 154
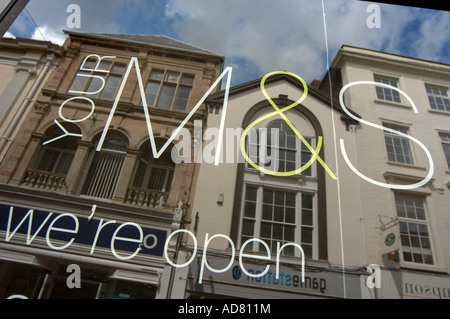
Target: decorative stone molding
41, 108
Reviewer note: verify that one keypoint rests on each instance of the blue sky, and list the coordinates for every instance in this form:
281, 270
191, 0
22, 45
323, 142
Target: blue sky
255, 36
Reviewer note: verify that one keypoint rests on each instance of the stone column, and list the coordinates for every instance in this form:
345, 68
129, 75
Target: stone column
126, 175
77, 167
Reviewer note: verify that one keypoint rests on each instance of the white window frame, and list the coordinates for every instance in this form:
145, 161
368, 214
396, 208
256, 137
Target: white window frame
444, 138
433, 96
392, 81
165, 82
97, 75
403, 129
300, 148
298, 220
416, 221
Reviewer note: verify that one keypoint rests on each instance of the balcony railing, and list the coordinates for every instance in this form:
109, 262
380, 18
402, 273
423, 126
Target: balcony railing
146, 197
44, 180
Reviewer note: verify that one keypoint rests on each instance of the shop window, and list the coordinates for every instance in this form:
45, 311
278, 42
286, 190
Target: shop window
154, 173
169, 90
105, 167
414, 229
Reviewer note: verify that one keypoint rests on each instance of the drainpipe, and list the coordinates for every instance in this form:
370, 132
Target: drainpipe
353, 128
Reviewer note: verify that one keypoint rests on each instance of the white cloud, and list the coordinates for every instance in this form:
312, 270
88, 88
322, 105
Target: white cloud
9, 35
289, 34
49, 34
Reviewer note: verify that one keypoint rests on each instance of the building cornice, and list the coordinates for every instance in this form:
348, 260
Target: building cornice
349, 53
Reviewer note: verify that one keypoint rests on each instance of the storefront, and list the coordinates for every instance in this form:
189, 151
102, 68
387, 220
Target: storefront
320, 281
412, 284
53, 248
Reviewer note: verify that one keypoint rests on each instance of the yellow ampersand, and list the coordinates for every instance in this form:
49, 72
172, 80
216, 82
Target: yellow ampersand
280, 112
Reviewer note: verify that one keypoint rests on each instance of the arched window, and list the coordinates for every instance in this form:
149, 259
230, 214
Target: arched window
281, 209
57, 156
287, 154
105, 167
154, 173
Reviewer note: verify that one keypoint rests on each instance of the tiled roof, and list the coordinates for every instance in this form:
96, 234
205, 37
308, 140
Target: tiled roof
154, 40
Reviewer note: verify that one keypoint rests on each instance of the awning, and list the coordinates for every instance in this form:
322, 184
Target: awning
19, 258
152, 278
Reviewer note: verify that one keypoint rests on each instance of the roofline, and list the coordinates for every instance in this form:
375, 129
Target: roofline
25, 43
106, 36
217, 97
342, 50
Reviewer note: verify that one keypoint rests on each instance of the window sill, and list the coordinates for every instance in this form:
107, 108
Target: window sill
438, 112
298, 177
406, 165
421, 267
390, 103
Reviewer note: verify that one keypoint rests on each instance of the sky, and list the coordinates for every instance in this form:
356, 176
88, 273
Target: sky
255, 36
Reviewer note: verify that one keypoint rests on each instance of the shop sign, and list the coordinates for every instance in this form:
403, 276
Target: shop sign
414, 285
60, 231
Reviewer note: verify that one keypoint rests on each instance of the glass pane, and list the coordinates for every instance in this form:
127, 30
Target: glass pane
267, 212
289, 234
425, 242
104, 65
111, 87
401, 211
150, 92
268, 196
278, 214
420, 213
290, 199
181, 102
266, 230
415, 242
405, 240
157, 75
187, 80
48, 161
417, 258
172, 77
277, 231
428, 259
308, 250
423, 230
80, 82
248, 227
250, 193
250, 209
279, 198
118, 69
290, 215
95, 85
307, 235
64, 163
307, 218
166, 97
307, 201
407, 256
403, 228
413, 229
